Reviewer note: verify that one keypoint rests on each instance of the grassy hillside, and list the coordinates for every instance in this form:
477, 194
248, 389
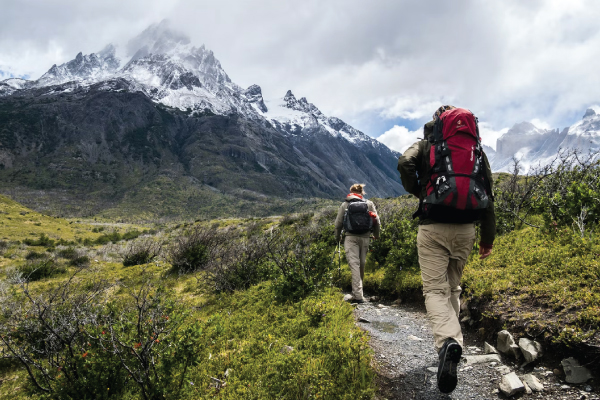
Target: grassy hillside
220, 312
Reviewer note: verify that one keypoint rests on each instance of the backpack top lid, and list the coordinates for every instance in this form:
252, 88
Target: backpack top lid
458, 120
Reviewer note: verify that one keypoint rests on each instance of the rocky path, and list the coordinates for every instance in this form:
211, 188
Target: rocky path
407, 363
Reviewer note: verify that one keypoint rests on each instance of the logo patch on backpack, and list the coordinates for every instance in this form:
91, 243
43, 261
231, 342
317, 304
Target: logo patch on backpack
457, 179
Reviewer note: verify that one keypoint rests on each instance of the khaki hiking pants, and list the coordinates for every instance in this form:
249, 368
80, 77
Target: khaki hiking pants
443, 251
356, 248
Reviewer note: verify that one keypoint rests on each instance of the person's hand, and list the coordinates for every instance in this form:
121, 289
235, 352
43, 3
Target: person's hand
484, 252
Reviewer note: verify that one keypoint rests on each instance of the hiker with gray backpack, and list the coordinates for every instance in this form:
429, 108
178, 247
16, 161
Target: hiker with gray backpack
357, 218
450, 174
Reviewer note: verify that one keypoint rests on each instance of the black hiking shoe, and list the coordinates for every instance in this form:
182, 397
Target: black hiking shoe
449, 359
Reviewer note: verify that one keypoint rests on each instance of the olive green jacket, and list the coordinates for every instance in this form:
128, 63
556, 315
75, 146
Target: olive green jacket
413, 166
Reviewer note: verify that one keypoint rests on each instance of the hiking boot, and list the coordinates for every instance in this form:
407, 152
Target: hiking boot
449, 359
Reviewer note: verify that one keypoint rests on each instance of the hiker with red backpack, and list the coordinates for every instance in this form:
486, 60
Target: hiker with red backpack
450, 174
357, 218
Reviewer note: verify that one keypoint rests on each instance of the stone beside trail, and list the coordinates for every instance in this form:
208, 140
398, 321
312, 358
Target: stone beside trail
406, 362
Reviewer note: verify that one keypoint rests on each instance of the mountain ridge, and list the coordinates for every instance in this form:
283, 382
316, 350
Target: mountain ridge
533, 146
95, 126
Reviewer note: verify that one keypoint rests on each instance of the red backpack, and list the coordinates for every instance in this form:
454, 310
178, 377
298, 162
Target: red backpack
457, 191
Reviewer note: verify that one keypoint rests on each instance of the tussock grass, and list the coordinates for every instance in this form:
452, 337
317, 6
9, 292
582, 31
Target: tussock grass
549, 280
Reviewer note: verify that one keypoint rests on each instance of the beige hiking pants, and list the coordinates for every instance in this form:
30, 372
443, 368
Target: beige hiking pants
356, 248
443, 251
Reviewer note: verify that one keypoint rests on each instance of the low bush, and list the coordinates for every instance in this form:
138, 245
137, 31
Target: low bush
112, 237
141, 252
3, 246
36, 270
77, 342
243, 263
302, 261
193, 250
564, 192
43, 240
80, 261
34, 255
69, 253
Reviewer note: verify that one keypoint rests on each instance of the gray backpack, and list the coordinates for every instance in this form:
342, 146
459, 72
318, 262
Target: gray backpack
357, 219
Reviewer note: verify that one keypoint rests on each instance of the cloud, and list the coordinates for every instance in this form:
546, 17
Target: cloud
541, 124
399, 138
507, 61
489, 136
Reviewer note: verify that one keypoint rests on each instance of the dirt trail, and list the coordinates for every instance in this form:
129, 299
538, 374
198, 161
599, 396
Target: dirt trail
407, 363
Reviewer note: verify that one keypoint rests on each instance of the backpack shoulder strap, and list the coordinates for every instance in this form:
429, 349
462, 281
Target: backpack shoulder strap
437, 134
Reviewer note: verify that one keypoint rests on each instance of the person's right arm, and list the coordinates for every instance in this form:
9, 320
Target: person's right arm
339, 222
407, 166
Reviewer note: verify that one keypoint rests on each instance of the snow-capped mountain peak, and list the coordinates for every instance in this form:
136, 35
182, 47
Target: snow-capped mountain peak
253, 95
532, 145
91, 67
163, 64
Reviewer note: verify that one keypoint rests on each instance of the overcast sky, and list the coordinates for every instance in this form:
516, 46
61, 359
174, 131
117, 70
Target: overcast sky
382, 66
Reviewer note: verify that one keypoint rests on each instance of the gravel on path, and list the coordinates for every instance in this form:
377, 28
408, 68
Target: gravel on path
406, 361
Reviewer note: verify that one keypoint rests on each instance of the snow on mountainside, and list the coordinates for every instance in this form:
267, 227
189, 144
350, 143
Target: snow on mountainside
535, 146
166, 67
89, 68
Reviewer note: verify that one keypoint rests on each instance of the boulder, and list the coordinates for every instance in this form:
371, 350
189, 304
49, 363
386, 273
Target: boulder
348, 297
511, 384
533, 382
574, 372
531, 349
506, 344
489, 349
484, 358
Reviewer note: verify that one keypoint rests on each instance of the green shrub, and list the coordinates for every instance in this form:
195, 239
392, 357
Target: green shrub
130, 235
43, 240
303, 262
113, 237
69, 253
80, 261
243, 263
37, 270
564, 192
76, 344
33, 255
198, 248
141, 252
